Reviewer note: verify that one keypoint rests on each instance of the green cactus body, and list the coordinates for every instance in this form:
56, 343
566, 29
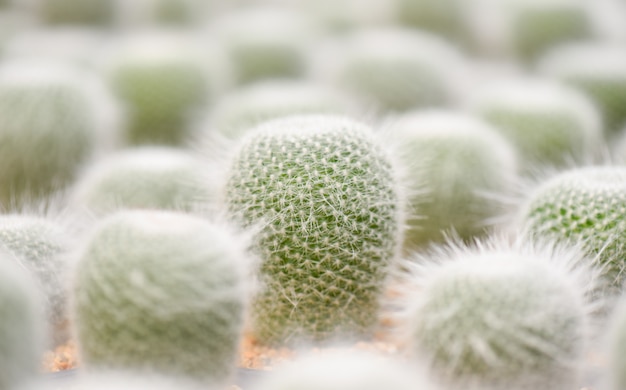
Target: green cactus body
598, 71
265, 43
48, 126
39, 245
495, 318
160, 292
245, 108
585, 205
148, 177
616, 348
84, 12
396, 70
453, 162
443, 17
21, 333
163, 80
344, 370
323, 196
549, 123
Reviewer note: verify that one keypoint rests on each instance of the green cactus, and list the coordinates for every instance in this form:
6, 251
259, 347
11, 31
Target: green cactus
243, 109
395, 70
83, 12
500, 315
39, 246
340, 369
160, 292
616, 348
584, 205
455, 164
443, 17
49, 125
549, 123
324, 198
21, 333
148, 177
597, 70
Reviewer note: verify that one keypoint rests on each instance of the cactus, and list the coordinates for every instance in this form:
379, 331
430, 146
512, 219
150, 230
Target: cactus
50, 123
338, 369
584, 205
443, 17
164, 80
393, 69
84, 12
160, 292
324, 199
148, 177
39, 246
500, 315
549, 123
597, 70
21, 336
455, 164
243, 109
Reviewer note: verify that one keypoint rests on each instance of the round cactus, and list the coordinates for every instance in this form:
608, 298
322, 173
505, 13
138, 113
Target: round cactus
247, 107
393, 70
549, 123
39, 245
454, 163
325, 201
160, 292
339, 369
21, 333
265, 43
584, 205
84, 12
500, 316
50, 123
148, 177
599, 71
164, 80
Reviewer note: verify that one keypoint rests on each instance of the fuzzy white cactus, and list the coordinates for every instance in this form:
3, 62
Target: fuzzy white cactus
325, 200
455, 167
161, 292
549, 123
147, 177
500, 315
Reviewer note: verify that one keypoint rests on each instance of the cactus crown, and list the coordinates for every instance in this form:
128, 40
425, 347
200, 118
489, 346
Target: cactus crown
584, 205
500, 314
326, 198
160, 292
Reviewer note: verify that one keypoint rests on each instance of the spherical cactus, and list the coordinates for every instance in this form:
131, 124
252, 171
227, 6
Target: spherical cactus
84, 12
500, 316
51, 120
455, 164
325, 201
584, 205
599, 71
21, 333
160, 292
549, 123
392, 70
148, 177
265, 43
243, 109
616, 348
164, 80
343, 370
39, 245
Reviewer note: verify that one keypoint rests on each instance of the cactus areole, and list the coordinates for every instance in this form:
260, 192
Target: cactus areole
323, 198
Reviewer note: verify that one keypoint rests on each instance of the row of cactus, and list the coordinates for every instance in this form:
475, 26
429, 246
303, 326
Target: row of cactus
354, 167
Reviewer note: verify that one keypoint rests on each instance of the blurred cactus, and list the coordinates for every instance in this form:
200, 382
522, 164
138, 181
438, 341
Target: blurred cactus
442, 17
325, 200
160, 292
83, 12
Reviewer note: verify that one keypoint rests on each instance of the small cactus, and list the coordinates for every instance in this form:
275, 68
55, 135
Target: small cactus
160, 292
338, 369
325, 201
549, 123
587, 206
500, 315
147, 177
455, 164
21, 333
